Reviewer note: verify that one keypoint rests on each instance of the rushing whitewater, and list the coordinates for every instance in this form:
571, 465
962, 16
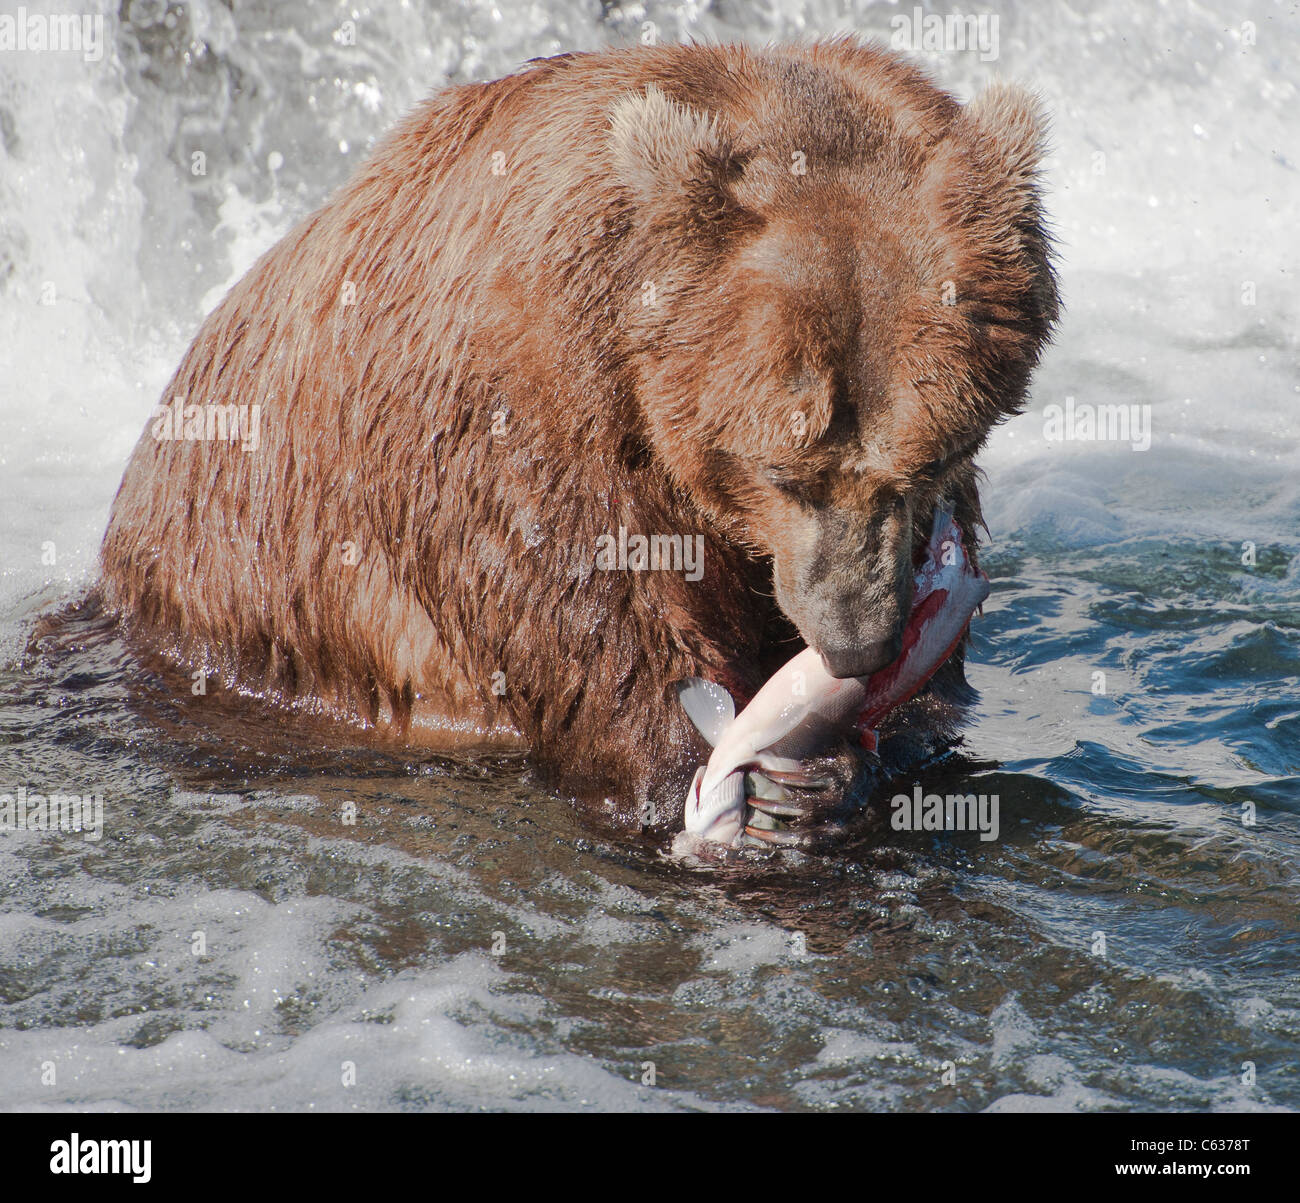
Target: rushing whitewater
261, 909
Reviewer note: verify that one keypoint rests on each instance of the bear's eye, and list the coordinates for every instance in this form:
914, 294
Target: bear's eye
784, 479
937, 468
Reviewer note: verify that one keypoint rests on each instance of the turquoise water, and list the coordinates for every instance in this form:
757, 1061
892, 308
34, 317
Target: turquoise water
1129, 941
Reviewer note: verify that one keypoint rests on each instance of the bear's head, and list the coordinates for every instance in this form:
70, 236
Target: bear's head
844, 287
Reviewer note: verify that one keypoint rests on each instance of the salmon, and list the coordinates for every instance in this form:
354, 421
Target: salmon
802, 709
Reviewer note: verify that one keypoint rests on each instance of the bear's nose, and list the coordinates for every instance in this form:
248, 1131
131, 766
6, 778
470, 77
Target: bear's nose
863, 659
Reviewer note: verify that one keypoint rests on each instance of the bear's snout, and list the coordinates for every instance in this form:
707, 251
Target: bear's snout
861, 660
847, 583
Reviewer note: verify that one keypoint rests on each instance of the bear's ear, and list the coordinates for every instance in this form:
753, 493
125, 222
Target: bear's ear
1009, 122
665, 150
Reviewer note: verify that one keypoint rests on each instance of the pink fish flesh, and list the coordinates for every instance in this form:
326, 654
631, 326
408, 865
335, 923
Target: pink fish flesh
802, 708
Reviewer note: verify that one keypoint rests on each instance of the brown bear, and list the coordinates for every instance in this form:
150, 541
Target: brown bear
629, 367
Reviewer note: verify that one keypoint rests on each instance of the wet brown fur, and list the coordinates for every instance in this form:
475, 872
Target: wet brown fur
500, 395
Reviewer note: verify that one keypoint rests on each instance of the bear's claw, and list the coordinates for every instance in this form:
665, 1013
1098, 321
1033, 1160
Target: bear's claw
778, 810
803, 777
782, 839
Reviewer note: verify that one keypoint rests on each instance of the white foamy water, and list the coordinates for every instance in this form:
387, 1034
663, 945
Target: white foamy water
135, 189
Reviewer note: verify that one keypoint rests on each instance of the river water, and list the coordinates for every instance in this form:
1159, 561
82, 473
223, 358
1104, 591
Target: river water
1129, 941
